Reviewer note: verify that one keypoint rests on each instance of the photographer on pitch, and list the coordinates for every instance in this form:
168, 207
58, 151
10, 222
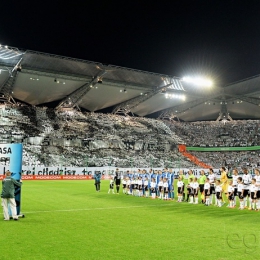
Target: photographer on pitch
7, 195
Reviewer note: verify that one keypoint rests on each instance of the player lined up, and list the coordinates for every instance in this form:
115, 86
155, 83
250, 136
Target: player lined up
245, 188
142, 187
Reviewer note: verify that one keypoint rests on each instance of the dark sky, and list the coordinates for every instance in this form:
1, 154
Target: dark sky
220, 39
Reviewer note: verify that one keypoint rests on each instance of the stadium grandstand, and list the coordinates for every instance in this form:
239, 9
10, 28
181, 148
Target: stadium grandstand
75, 112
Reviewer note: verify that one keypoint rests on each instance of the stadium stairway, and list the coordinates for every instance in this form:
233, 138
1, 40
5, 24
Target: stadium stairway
192, 158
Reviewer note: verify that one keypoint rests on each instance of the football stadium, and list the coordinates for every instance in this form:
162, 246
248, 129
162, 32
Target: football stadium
119, 163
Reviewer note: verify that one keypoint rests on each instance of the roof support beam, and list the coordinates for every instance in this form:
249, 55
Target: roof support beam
174, 111
251, 100
223, 114
128, 106
76, 96
7, 88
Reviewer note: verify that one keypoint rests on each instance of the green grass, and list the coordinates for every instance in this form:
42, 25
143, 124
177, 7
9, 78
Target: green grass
70, 220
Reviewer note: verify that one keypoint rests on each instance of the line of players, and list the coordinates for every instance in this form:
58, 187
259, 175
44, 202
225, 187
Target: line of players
243, 188
147, 184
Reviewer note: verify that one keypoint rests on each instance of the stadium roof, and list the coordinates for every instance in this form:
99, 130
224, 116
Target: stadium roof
39, 78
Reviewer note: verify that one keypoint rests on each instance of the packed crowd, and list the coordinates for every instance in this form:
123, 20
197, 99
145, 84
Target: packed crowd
236, 133
242, 159
71, 138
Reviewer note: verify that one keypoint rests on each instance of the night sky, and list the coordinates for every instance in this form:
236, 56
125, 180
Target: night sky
219, 39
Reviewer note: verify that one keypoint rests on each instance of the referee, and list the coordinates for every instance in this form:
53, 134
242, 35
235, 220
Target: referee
117, 180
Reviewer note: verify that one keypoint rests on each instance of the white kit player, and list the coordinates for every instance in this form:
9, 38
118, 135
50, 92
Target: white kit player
195, 186
111, 185
160, 188
219, 191
128, 186
253, 194
140, 186
207, 192
153, 188
146, 186
180, 186
166, 189
234, 179
124, 185
212, 179
247, 178
191, 190
257, 183
240, 192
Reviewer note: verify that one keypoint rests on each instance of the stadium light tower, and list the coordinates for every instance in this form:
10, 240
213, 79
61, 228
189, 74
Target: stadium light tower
199, 81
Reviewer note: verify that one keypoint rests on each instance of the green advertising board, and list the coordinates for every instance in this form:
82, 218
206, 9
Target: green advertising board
222, 149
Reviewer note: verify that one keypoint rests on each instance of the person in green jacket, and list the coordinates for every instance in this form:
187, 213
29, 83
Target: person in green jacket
7, 195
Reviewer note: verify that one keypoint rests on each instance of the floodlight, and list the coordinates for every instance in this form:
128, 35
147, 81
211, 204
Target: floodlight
163, 90
198, 81
171, 96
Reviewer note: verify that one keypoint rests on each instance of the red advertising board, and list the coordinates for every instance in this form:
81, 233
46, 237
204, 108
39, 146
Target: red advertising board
54, 177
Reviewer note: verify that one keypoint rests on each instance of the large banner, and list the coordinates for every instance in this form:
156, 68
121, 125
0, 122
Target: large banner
30, 170
11, 154
74, 173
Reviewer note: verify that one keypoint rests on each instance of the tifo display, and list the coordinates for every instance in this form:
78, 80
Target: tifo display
69, 139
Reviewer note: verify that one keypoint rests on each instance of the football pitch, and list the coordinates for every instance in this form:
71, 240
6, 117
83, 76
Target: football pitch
70, 220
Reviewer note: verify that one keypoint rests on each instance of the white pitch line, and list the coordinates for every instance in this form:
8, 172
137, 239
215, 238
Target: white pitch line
72, 210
